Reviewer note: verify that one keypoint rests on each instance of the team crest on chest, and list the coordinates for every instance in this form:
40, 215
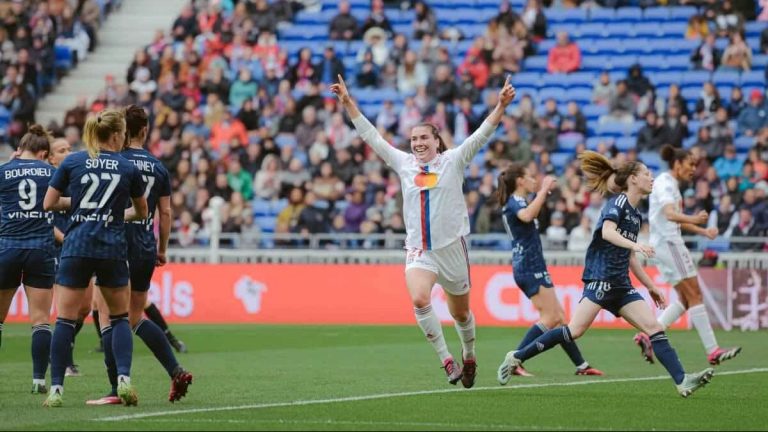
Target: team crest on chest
425, 180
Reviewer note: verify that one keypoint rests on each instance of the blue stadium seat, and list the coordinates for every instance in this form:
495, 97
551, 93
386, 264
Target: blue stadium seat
720, 244
625, 143
659, 14
629, 14
619, 30
673, 29
593, 142
261, 207
560, 160
529, 91
694, 79
602, 15
690, 94
579, 80
689, 142
676, 45
753, 28
594, 63
552, 80
613, 129
649, 30
603, 46
722, 77
266, 223
556, 93
592, 112
580, 95
285, 140
279, 205
322, 17
678, 63
305, 33
63, 59
536, 64
532, 79
569, 142
637, 46
744, 143
681, 13
653, 63
651, 159
565, 15
622, 62
753, 78
544, 46
590, 30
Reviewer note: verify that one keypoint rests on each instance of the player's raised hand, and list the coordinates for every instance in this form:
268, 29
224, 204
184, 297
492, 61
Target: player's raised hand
340, 90
548, 183
507, 93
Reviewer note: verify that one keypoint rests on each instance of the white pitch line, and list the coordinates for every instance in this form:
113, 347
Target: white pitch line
401, 394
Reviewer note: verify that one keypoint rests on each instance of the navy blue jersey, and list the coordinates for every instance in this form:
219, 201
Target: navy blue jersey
606, 261
100, 190
157, 183
527, 254
61, 221
24, 224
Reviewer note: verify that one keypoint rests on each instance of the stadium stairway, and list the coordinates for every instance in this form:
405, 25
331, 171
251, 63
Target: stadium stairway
126, 29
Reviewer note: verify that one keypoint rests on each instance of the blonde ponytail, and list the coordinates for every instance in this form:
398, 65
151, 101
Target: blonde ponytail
98, 129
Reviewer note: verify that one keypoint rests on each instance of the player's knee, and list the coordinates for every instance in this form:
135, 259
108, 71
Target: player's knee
460, 316
653, 328
693, 298
421, 301
577, 331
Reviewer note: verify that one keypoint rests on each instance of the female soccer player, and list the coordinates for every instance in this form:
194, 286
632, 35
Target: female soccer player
101, 183
672, 257
610, 256
530, 269
60, 149
143, 255
27, 251
436, 222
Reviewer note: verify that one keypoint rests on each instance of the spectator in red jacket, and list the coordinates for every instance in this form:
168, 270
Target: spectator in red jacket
565, 57
228, 129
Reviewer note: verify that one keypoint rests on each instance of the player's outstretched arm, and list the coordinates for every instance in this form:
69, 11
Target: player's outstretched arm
483, 134
367, 131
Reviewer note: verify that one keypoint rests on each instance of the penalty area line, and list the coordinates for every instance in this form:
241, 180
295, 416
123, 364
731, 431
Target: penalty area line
401, 394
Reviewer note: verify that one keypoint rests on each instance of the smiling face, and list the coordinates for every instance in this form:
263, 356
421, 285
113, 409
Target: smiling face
424, 143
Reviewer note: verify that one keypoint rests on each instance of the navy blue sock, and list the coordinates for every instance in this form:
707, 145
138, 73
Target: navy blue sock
41, 350
535, 331
122, 343
109, 359
155, 339
1, 333
61, 344
78, 327
544, 342
667, 356
574, 353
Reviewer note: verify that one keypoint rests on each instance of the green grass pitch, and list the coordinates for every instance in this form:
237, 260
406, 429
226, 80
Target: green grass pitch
388, 378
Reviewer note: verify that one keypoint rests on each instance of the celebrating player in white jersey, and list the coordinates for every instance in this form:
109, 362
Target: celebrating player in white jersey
672, 257
436, 222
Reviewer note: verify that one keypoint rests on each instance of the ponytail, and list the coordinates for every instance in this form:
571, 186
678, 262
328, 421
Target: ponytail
98, 129
597, 171
508, 182
136, 120
671, 155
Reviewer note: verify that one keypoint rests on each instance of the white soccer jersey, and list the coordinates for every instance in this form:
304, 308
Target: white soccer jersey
434, 209
666, 190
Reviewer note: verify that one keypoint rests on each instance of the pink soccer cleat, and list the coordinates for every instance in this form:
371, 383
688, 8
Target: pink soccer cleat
106, 400
646, 348
179, 384
521, 371
721, 354
589, 371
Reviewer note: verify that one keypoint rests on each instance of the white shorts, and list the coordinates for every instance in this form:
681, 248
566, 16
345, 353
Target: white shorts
450, 264
674, 262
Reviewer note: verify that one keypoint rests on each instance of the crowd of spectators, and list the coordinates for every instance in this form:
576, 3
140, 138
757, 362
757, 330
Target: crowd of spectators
233, 116
30, 33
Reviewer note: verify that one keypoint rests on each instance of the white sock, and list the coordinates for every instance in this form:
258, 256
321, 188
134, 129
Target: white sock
55, 388
125, 378
430, 325
671, 314
466, 332
700, 320
38, 381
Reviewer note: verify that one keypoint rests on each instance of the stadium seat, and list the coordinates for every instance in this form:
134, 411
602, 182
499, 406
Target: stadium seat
651, 159
63, 59
619, 30
593, 142
261, 207
691, 94
594, 63
565, 15
694, 79
648, 30
625, 143
536, 64
555, 93
266, 223
602, 15
569, 142
603, 46
612, 129
689, 142
552, 80
652, 63
753, 28
753, 78
590, 30
582, 96
629, 14
285, 140
673, 29
676, 45
721, 77
531, 79
546, 45
760, 61
593, 112
560, 160
620, 63
637, 46
681, 13
744, 143
658, 14
579, 80
678, 63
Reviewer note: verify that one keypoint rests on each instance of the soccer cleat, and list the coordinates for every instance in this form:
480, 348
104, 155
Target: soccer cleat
39, 388
127, 393
179, 384
72, 371
695, 381
719, 355
589, 371
452, 370
106, 400
54, 400
521, 371
507, 368
646, 348
468, 373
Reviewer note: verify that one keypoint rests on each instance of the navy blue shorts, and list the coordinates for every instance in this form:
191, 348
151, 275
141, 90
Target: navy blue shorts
76, 272
530, 283
141, 274
610, 298
35, 268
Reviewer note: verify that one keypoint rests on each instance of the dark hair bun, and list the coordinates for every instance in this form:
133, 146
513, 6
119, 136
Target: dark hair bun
37, 129
667, 153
